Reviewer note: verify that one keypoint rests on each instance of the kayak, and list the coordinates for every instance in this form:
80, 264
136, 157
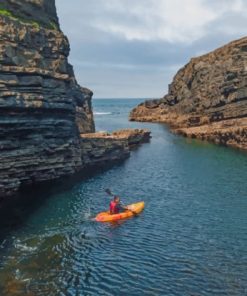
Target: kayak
133, 210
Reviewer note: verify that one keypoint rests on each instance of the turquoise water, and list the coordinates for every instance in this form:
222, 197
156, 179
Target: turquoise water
190, 240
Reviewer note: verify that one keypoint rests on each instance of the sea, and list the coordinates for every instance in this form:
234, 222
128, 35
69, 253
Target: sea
191, 239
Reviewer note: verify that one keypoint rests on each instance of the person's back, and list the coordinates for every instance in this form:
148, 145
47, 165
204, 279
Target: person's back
113, 207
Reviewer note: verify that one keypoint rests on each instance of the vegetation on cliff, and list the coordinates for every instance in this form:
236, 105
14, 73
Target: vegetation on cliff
7, 13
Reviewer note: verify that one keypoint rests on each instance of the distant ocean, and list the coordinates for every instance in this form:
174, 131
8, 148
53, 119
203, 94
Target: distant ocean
190, 240
113, 114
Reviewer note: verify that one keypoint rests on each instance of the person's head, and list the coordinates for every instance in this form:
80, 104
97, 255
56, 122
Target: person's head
116, 199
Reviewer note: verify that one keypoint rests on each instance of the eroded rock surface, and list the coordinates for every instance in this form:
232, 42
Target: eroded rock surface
46, 120
43, 110
103, 148
207, 98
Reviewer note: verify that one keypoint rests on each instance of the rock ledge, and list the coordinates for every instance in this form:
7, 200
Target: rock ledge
207, 98
103, 148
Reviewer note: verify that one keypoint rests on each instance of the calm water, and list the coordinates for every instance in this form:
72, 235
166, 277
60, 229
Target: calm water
190, 240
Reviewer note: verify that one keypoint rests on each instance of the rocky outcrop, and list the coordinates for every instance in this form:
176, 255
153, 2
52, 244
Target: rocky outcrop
207, 98
133, 136
43, 110
99, 149
46, 119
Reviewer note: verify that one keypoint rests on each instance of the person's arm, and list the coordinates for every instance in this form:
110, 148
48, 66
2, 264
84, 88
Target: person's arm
122, 207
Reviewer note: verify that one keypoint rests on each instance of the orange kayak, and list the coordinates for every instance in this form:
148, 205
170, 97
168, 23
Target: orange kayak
134, 209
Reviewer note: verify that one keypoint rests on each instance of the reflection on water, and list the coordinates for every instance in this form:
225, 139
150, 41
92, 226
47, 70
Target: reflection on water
190, 239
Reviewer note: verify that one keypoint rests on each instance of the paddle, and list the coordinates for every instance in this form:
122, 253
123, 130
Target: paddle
108, 191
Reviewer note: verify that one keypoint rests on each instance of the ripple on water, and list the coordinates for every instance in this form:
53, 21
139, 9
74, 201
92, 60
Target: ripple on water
190, 240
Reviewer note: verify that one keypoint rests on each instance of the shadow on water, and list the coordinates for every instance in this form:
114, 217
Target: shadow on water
14, 211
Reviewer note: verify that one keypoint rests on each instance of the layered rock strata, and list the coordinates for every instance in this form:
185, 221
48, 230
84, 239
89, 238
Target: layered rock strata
46, 120
43, 110
207, 98
103, 148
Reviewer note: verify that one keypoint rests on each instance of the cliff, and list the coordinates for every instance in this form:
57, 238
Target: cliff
207, 98
46, 120
102, 149
43, 110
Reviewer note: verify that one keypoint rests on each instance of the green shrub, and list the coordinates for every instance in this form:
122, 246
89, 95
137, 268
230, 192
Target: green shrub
53, 26
34, 23
5, 12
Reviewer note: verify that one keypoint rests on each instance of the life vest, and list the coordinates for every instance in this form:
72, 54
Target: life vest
114, 207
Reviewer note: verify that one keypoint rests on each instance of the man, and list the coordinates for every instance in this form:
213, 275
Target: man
116, 207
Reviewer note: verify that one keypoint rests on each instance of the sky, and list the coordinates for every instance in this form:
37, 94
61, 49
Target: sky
133, 48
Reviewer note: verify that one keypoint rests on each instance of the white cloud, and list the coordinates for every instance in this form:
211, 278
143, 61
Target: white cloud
238, 6
174, 21
119, 46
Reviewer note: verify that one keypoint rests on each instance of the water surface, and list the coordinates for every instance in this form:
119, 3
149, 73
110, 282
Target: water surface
190, 240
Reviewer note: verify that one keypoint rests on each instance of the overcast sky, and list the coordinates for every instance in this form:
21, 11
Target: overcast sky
133, 48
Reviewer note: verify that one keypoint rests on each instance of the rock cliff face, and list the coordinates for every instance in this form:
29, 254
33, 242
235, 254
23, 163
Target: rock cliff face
207, 98
99, 149
43, 110
41, 12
